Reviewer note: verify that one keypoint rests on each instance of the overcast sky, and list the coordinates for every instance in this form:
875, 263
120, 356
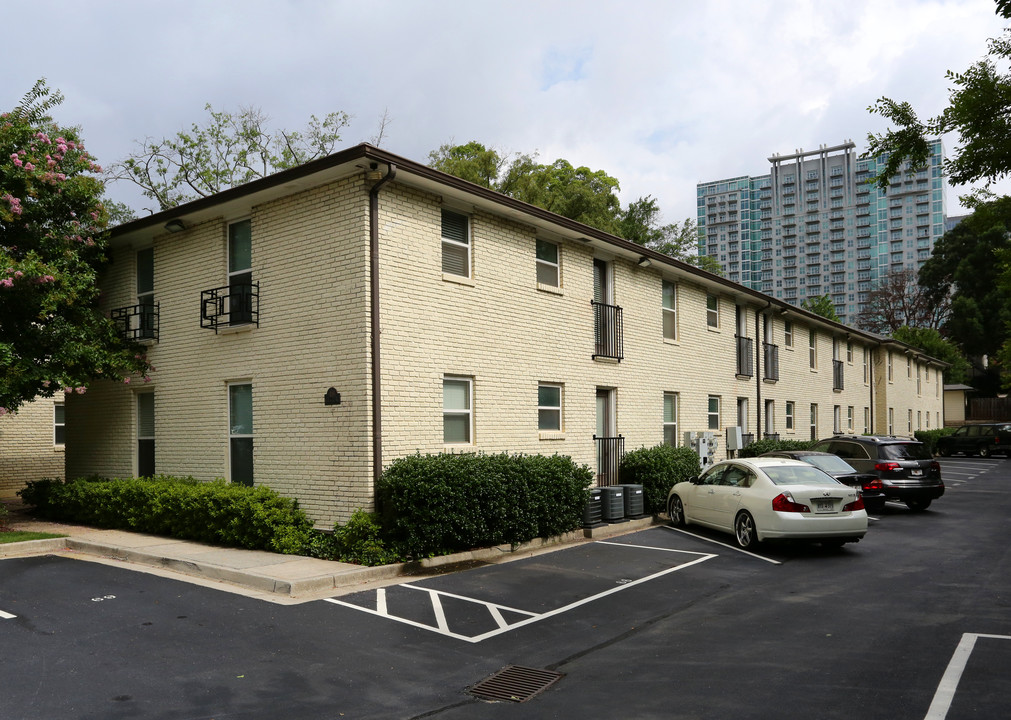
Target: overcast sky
661, 95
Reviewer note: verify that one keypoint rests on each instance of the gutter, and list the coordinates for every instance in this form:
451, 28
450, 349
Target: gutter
374, 331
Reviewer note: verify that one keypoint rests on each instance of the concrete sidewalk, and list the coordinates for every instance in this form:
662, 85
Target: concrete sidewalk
270, 576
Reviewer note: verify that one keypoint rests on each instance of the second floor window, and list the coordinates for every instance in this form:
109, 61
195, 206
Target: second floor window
712, 311
145, 293
669, 310
240, 272
455, 244
548, 267
812, 350
788, 333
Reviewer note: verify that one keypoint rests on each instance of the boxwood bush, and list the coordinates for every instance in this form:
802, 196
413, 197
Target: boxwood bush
657, 469
442, 503
185, 508
760, 447
930, 437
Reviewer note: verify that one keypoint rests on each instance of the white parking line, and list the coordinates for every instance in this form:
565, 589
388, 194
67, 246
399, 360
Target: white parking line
717, 542
6, 615
956, 666
495, 610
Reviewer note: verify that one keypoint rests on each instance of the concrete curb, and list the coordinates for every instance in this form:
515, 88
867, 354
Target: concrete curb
33, 547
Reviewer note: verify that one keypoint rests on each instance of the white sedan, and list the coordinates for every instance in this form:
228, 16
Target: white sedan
767, 498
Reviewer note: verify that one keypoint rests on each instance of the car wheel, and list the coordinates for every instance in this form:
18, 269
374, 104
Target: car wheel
918, 505
744, 531
676, 511
945, 451
984, 451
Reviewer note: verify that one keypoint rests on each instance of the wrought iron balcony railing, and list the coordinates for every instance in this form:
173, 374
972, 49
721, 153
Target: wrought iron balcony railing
770, 371
745, 358
607, 331
837, 375
137, 322
229, 306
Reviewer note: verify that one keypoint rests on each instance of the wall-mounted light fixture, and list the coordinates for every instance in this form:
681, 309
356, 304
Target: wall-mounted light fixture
645, 262
332, 397
174, 226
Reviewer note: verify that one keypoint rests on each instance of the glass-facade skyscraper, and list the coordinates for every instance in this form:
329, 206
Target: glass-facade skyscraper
816, 224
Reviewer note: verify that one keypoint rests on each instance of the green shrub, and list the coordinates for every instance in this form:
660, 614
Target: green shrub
929, 437
760, 447
359, 541
213, 512
446, 503
657, 469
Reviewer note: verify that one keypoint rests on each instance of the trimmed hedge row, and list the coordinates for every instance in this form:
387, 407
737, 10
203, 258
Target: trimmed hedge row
657, 469
214, 512
760, 447
447, 503
930, 437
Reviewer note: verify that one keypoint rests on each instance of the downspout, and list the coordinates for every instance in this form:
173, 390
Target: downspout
759, 356
870, 375
377, 405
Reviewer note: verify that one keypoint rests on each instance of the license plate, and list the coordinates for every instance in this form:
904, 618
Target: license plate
916, 473
824, 506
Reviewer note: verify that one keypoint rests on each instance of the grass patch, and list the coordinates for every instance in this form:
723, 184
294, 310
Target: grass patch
13, 536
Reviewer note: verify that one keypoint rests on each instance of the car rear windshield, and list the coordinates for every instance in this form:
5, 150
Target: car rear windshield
829, 463
905, 451
799, 475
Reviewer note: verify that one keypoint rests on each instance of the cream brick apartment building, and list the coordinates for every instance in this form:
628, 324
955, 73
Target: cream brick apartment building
309, 328
31, 444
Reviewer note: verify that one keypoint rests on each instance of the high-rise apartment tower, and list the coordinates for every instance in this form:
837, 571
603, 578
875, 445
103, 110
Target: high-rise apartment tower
818, 225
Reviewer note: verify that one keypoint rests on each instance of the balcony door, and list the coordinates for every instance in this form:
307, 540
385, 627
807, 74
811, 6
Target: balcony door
609, 445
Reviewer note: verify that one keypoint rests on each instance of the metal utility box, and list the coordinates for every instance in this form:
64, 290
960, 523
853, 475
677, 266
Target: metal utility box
735, 438
612, 503
593, 510
635, 504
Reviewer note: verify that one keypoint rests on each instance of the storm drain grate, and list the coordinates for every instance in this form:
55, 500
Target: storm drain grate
515, 683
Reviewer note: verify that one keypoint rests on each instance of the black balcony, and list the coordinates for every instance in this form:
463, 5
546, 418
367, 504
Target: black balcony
610, 450
230, 306
607, 331
770, 371
770, 436
137, 322
745, 358
837, 375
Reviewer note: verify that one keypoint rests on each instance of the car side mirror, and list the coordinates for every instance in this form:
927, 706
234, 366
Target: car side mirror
694, 480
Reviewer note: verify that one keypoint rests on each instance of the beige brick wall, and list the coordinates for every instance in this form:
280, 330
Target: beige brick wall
27, 446
310, 256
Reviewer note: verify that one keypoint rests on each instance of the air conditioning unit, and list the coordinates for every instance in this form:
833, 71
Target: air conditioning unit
612, 503
635, 505
593, 511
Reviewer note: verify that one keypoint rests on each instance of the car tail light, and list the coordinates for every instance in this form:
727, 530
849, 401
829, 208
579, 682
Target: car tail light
858, 504
784, 502
935, 466
874, 484
887, 466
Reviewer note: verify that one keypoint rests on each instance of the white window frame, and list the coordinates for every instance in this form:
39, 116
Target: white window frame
710, 414
713, 313
867, 420
234, 435
547, 265
836, 419
59, 424
468, 412
141, 436
788, 333
770, 417
669, 314
790, 422
849, 418
673, 423
453, 243
814, 421
812, 350
551, 408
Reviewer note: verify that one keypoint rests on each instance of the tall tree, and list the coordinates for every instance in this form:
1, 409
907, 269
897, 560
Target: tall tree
642, 223
52, 243
930, 341
978, 110
228, 149
899, 301
821, 305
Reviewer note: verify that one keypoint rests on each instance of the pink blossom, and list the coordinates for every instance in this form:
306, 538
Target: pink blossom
29, 167
45, 383
18, 274
17, 161
126, 381
68, 390
3, 411
6, 282
80, 389
147, 378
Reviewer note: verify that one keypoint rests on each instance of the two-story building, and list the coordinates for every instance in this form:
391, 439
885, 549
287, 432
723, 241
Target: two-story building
31, 444
309, 328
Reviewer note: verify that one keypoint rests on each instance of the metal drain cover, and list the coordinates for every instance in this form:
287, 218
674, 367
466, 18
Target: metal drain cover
515, 683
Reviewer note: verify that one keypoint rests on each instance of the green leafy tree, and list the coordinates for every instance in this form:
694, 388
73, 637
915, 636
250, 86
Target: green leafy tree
52, 243
821, 305
642, 223
978, 110
472, 162
930, 341
228, 149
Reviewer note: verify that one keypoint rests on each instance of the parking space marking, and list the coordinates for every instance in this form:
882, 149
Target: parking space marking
6, 615
717, 542
956, 666
495, 610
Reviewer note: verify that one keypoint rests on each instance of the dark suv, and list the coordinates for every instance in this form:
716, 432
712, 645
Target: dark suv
982, 440
907, 470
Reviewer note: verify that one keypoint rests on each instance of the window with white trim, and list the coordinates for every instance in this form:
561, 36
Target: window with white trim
789, 414
145, 293
457, 414
849, 418
240, 433
670, 308
712, 311
812, 349
714, 412
548, 266
59, 424
788, 333
240, 273
670, 418
549, 407
455, 243
836, 419
145, 434
814, 421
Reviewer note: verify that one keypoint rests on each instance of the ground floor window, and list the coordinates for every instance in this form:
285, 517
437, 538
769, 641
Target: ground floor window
814, 421
145, 434
789, 415
59, 424
714, 412
240, 433
549, 407
670, 419
457, 416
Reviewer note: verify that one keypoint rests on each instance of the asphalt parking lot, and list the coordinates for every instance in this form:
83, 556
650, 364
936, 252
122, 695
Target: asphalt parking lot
912, 622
